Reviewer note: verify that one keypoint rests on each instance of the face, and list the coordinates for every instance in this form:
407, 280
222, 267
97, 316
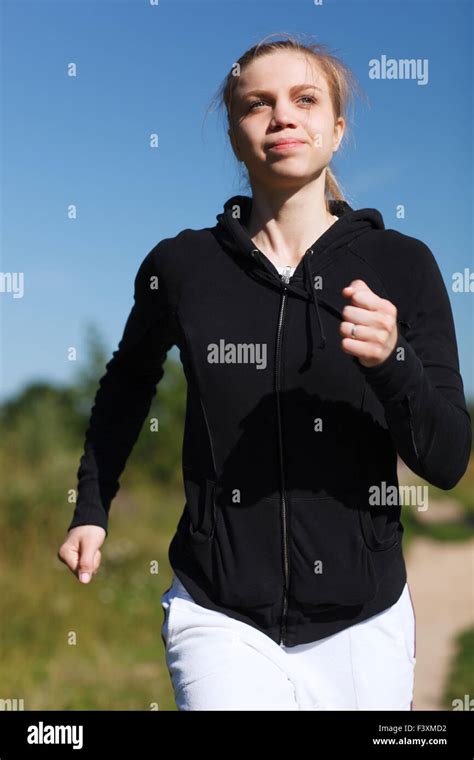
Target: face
284, 96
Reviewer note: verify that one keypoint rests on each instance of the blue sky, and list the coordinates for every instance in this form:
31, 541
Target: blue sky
145, 69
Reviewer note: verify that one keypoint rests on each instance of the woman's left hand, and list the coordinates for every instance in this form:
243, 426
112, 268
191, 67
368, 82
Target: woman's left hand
375, 321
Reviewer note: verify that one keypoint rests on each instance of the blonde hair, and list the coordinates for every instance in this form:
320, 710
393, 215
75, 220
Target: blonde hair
341, 82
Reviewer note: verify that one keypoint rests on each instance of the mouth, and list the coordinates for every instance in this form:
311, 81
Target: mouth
286, 145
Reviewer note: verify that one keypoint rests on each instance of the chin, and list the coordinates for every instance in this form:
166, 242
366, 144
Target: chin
284, 175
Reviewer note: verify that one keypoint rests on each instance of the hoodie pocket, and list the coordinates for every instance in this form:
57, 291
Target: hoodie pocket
330, 562
379, 533
247, 566
200, 509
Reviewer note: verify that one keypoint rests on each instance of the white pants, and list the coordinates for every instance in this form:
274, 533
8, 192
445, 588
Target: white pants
218, 663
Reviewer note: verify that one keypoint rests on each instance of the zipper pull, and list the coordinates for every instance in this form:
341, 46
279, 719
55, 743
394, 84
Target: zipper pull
285, 275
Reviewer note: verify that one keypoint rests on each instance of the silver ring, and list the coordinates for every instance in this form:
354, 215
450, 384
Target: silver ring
353, 330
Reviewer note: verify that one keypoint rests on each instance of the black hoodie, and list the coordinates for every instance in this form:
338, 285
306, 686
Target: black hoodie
290, 445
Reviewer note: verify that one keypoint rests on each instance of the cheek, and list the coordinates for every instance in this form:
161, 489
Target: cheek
249, 140
320, 134
253, 146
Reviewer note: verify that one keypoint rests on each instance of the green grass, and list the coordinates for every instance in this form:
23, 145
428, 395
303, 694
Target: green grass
71, 646
461, 677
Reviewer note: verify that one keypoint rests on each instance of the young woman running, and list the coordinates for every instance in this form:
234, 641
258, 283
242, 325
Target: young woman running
317, 345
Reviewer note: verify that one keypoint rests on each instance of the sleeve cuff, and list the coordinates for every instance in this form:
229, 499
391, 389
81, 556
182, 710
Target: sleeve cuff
91, 518
392, 379
89, 507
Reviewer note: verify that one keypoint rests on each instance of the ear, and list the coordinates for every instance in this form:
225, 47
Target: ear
339, 129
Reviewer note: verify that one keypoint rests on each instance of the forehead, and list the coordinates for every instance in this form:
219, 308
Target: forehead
280, 69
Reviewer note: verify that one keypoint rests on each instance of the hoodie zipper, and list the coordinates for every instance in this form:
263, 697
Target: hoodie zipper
285, 277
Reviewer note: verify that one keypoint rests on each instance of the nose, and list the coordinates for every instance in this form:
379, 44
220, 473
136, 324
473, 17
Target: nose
282, 116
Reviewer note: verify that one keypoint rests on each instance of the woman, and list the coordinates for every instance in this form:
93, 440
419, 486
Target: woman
316, 346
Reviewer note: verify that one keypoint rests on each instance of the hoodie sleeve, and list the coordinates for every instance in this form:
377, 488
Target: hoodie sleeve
124, 396
420, 386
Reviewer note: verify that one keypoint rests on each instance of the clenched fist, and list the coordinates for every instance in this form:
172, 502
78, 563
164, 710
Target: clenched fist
369, 329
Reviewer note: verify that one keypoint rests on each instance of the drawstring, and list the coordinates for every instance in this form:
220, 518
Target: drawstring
309, 280
270, 276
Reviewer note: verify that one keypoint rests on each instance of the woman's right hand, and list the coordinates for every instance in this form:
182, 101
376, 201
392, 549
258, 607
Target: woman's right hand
81, 551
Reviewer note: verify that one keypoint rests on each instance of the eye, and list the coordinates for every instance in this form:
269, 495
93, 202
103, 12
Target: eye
256, 102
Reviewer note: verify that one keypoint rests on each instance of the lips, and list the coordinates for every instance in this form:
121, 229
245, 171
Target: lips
286, 143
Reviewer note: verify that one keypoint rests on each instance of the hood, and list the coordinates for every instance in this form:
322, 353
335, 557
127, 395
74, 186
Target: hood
324, 252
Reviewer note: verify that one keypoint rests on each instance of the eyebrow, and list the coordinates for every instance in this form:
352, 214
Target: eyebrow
292, 89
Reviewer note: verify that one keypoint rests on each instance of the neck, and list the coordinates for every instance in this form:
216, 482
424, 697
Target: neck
286, 222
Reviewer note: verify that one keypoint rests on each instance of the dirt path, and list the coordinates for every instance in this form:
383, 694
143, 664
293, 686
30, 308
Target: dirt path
440, 577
